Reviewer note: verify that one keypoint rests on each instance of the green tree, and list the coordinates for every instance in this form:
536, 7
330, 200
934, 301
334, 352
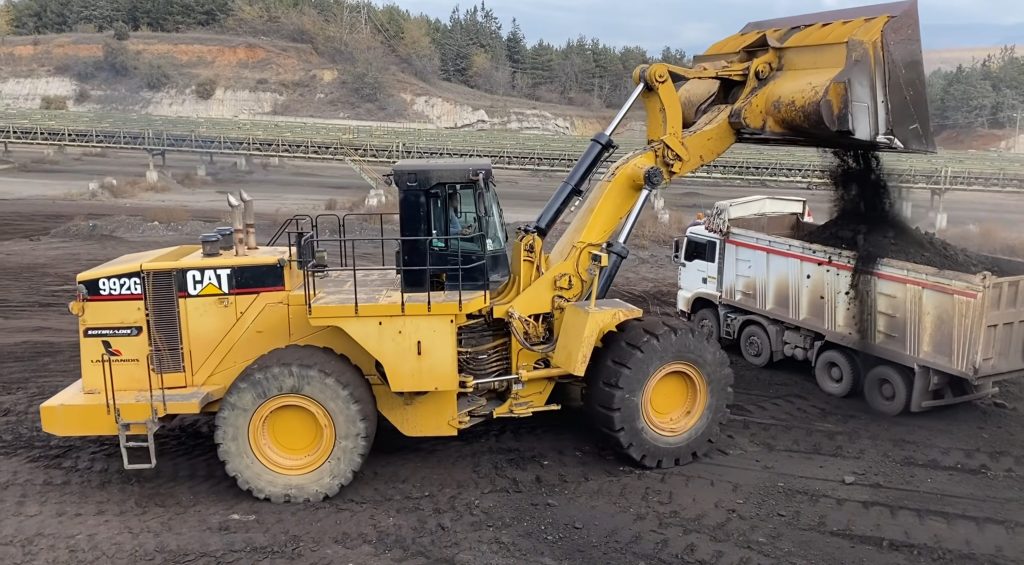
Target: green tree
121, 31
515, 48
418, 48
455, 49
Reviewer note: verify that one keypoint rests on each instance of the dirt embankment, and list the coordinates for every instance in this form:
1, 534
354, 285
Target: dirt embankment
259, 77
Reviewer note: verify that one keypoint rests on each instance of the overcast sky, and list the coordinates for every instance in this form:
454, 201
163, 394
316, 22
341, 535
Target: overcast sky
694, 24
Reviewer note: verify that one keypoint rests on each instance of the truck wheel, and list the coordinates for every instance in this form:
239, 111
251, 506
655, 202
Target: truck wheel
887, 389
707, 320
296, 425
755, 345
659, 390
837, 372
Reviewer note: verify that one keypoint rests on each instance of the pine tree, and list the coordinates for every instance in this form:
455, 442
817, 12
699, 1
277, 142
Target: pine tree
515, 48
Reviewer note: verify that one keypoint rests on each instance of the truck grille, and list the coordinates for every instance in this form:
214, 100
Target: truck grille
161, 299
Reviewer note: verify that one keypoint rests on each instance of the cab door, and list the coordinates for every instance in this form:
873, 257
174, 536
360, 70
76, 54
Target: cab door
699, 265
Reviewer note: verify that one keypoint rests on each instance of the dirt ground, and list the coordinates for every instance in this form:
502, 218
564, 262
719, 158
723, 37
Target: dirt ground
798, 478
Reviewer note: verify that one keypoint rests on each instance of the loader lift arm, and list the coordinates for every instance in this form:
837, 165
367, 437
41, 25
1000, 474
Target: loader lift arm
843, 79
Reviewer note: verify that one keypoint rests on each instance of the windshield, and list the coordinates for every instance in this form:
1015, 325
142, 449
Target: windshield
496, 234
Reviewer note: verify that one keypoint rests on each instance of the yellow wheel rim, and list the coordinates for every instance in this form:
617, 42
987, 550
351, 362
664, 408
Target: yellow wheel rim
291, 434
674, 399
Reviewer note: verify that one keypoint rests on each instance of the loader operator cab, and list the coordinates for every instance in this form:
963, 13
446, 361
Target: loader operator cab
453, 232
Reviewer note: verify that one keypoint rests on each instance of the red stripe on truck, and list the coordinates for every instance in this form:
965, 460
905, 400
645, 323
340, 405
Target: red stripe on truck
847, 267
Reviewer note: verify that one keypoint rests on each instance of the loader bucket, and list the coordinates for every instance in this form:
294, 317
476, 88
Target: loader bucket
844, 78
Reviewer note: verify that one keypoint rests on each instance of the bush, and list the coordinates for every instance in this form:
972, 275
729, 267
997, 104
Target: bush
82, 95
121, 31
154, 75
54, 103
206, 88
117, 59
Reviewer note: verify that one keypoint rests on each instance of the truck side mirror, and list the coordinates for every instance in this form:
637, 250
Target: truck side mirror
677, 249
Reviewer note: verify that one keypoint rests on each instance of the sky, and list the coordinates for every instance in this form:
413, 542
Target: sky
649, 23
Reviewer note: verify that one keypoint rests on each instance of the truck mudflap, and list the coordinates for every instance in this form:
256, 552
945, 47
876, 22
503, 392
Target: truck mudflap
934, 388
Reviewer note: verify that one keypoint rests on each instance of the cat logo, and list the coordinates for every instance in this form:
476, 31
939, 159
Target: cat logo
208, 282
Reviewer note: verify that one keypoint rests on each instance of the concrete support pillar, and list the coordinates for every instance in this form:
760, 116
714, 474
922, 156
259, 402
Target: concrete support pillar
152, 176
907, 207
375, 198
201, 170
242, 163
941, 219
659, 208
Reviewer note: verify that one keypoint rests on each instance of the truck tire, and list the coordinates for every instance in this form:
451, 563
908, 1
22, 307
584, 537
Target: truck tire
658, 389
887, 389
296, 425
837, 372
755, 345
706, 319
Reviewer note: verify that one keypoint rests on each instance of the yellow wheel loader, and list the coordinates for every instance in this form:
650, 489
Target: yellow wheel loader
300, 346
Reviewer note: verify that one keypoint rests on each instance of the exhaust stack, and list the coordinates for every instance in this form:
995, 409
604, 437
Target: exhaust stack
249, 208
237, 225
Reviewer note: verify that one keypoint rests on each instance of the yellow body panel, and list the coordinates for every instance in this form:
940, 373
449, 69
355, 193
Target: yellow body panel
261, 328
582, 329
209, 320
74, 412
417, 352
418, 414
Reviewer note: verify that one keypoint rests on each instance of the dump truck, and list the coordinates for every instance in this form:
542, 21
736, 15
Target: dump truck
908, 336
300, 345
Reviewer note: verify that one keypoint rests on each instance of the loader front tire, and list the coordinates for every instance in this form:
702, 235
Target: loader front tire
296, 425
658, 388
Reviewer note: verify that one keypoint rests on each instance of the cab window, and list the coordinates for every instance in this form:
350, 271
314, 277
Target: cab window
700, 250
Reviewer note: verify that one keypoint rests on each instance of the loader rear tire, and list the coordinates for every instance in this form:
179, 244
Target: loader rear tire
658, 388
296, 425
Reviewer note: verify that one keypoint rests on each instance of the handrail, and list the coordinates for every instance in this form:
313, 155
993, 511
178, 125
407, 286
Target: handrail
311, 241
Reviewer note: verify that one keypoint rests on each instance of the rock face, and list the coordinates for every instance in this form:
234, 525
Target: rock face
226, 103
28, 92
453, 115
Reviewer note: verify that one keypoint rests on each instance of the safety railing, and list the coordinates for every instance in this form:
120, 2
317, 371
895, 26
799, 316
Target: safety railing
329, 245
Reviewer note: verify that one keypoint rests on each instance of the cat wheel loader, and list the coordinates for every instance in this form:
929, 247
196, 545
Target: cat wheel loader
300, 346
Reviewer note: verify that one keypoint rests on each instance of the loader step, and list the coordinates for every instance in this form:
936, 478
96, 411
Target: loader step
138, 450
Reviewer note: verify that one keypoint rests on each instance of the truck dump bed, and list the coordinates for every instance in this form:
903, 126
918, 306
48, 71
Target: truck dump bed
970, 325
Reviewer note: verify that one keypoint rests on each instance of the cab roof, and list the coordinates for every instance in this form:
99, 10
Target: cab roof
422, 174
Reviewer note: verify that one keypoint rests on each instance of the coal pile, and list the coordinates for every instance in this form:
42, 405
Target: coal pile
866, 222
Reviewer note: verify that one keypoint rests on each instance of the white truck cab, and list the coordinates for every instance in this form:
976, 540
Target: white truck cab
697, 255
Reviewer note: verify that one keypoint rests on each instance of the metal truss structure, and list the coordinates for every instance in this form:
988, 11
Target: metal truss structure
513, 150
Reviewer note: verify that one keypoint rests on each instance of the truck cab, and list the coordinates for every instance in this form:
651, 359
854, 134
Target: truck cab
697, 254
